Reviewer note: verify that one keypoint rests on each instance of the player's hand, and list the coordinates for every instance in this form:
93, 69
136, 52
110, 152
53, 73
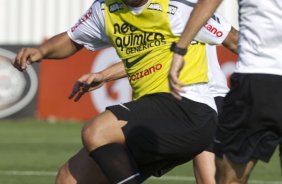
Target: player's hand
175, 85
86, 83
25, 57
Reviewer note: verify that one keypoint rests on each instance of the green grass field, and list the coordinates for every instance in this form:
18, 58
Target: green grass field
31, 152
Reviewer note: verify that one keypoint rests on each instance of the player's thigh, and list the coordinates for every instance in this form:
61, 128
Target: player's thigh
80, 169
230, 172
204, 167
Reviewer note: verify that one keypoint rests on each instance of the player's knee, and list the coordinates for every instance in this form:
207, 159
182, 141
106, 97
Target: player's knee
64, 176
93, 136
231, 177
205, 179
232, 180
240, 179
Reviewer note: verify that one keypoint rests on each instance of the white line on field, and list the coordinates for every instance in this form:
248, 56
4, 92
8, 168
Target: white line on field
166, 178
28, 173
41, 141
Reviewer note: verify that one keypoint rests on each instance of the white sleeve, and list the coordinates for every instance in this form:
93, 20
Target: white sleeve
89, 31
214, 31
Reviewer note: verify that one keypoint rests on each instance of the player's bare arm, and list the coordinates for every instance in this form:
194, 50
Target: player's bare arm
174, 84
203, 10
58, 47
92, 81
231, 40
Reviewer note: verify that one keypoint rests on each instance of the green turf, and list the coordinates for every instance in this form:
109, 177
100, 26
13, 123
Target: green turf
31, 152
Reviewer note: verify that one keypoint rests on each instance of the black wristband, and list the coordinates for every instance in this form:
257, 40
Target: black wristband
178, 50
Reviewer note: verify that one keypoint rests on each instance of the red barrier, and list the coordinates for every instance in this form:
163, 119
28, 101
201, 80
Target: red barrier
55, 83
227, 61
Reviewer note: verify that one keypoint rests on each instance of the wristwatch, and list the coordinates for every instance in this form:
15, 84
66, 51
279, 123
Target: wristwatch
178, 50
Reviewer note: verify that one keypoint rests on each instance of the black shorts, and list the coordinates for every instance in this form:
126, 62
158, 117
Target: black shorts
250, 126
163, 132
218, 101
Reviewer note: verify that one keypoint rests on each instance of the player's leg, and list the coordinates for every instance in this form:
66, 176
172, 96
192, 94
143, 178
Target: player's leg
103, 129
249, 126
104, 139
204, 163
233, 173
80, 169
153, 133
204, 168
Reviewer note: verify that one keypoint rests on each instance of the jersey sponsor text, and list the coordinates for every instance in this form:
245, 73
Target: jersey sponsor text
134, 42
115, 7
155, 6
213, 30
145, 72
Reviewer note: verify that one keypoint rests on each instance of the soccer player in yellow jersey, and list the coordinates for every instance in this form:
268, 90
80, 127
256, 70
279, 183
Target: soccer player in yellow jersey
155, 132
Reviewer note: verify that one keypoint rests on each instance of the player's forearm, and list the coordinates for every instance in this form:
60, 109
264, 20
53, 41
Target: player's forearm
231, 41
59, 47
199, 16
114, 72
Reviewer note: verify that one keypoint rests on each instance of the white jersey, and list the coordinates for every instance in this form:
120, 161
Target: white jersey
90, 32
217, 79
260, 38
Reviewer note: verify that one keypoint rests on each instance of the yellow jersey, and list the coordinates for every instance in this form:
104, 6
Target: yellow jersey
143, 43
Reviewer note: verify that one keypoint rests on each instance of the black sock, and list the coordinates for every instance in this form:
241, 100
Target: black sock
117, 164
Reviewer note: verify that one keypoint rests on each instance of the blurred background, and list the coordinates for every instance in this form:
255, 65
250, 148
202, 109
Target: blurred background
39, 126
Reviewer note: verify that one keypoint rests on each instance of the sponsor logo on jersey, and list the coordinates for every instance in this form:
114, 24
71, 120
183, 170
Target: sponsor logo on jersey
155, 6
146, 72
115, 7
17, 89
172, 9
213, 30
134, 41
130, 64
